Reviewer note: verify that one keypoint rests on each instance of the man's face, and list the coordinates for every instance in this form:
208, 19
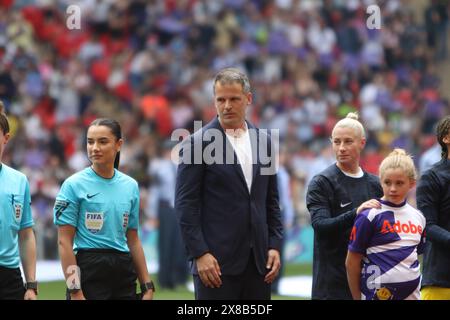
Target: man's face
231, 104
3, 140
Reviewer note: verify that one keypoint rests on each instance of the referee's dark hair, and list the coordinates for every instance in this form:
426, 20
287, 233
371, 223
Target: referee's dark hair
443, 130
115, 129
4, 124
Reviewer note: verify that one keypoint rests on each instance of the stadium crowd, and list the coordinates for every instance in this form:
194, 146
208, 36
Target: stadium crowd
150, 64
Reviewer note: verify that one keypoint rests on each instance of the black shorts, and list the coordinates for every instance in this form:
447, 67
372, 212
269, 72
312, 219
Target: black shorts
106, 274
11, 284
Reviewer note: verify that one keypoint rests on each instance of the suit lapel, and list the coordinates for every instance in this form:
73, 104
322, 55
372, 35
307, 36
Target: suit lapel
254, 141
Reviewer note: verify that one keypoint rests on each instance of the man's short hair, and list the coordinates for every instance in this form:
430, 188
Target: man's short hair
232, 75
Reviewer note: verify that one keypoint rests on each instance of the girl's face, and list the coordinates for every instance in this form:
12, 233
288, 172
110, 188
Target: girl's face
396, 185
102, 145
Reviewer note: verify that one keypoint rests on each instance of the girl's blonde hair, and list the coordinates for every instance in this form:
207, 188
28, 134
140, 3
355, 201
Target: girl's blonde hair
399, 159
351, 121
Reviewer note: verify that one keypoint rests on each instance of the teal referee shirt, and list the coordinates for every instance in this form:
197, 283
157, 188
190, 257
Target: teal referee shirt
15, 214
102, 210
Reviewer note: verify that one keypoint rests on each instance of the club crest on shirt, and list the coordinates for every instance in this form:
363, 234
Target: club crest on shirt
126, 217
94, 221
384, 294
18, 211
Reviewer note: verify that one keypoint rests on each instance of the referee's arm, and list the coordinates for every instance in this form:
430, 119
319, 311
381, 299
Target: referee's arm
27, 243
66, 234
137, 254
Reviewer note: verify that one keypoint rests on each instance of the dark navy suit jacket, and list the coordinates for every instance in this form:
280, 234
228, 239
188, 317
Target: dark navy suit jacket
216, 211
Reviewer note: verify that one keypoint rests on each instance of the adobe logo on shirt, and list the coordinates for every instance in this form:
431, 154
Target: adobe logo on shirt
399, 227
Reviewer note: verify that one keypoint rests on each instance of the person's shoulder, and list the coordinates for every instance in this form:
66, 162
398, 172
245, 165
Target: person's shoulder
251, 127
371, 177
371, 213
331, 171
438, 169
264, 133
440, 166
123, 178
415, 211
13, 173
199, 135
77, 177
329, 174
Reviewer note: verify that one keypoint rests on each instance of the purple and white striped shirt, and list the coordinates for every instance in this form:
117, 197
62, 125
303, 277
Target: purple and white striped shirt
390, 239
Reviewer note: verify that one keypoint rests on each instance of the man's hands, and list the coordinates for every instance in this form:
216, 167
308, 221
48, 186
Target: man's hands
209, 271
273, 264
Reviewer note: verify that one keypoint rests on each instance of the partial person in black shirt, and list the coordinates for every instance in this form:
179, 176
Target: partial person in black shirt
334, 198
433, 199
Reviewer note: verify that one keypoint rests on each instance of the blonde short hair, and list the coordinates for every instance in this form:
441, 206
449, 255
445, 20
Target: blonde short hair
351, 121
399, 159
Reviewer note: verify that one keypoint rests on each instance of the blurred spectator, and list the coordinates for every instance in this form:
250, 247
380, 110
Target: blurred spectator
287, 213
436, 22
430, 157
173, 263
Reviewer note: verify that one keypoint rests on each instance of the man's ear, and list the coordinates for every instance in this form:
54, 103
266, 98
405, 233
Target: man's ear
7, 136
249, 98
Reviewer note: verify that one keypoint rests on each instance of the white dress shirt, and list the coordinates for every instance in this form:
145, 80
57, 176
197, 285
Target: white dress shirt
243, 149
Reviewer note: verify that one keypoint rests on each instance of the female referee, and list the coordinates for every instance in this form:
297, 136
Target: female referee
15, 229
97, 214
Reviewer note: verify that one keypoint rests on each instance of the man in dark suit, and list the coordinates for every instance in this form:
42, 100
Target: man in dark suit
227, 199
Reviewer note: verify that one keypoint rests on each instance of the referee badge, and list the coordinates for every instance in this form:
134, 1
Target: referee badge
94, 221
126, 217
18, 211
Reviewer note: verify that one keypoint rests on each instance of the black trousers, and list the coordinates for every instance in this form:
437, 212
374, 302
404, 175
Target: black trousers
106, 274
249, 285
11, 284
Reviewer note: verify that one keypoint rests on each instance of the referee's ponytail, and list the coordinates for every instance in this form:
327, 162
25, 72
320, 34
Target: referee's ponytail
116, 131
4, 124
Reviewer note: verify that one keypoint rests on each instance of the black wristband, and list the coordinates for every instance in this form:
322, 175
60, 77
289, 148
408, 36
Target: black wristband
32, 285
74, 290
147, 286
